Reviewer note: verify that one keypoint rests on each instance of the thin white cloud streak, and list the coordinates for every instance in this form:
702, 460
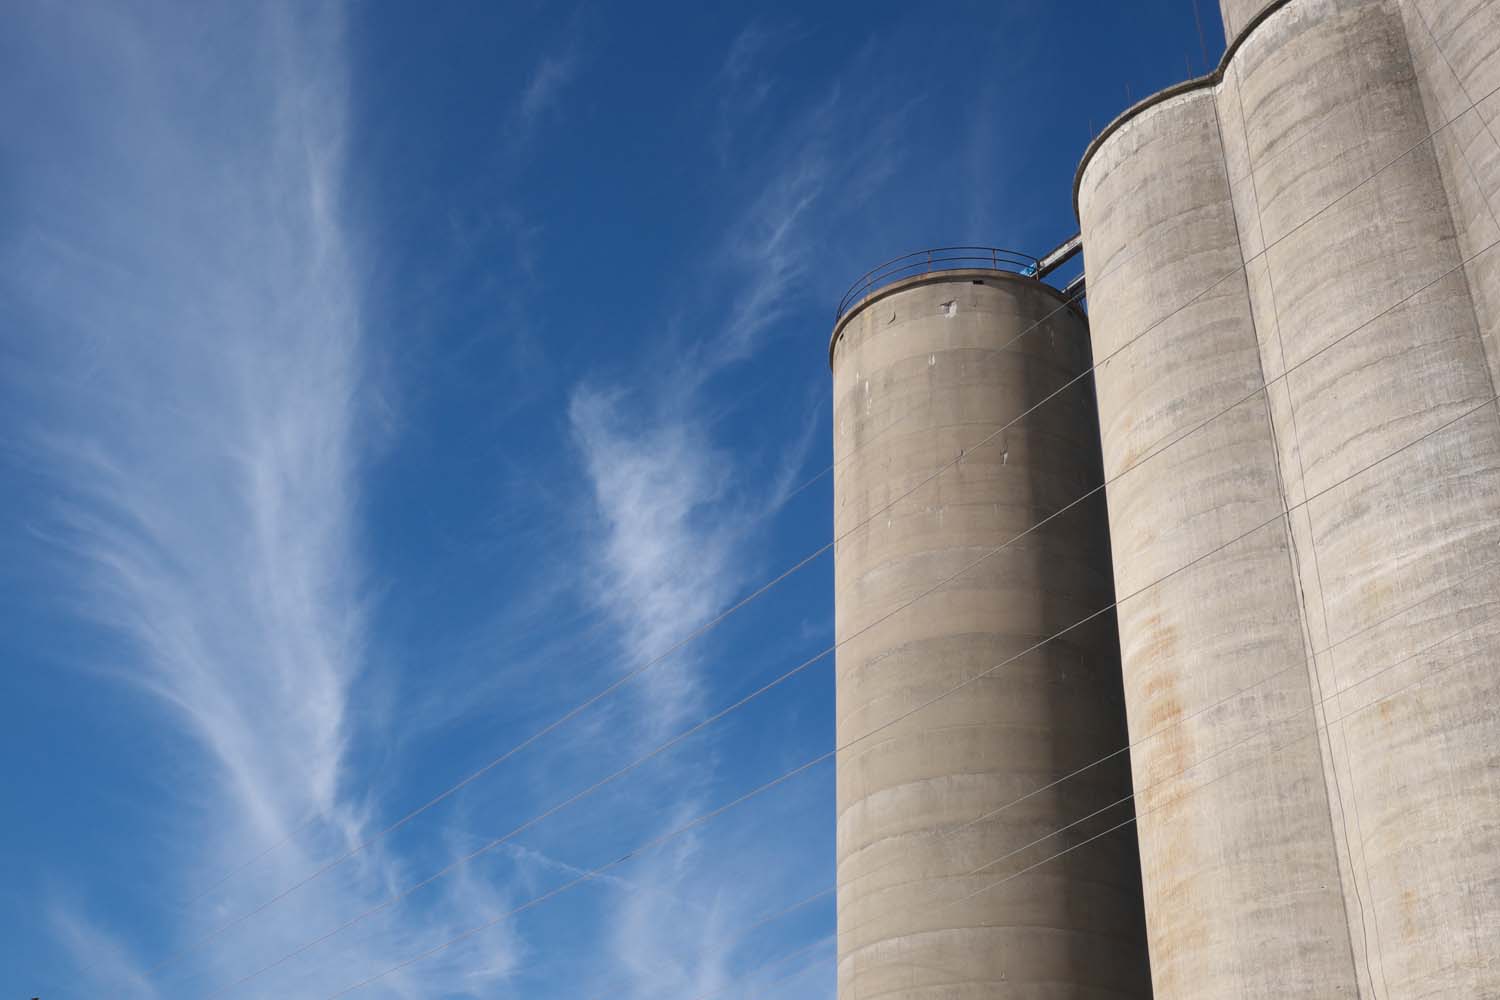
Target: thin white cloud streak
546, 84
187, 253
744, 85
675, 515
662, 947
744, 51
821, 173
791, 465
697, 930
665, 561
109, 961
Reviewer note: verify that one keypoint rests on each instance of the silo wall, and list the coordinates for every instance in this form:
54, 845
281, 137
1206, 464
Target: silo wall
1455, 50
1289, 223
1235, 845
924, 370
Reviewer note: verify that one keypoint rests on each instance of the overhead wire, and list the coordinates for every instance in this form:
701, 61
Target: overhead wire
774, 916
1278, 517
627, 768
274, 846
611, 688
826, 755
1492, 567
1262, 730
676, 646
593, 873
1069, 300
929, 478
656, 751
1066, 301
1318, 729
1489, 568
787, 977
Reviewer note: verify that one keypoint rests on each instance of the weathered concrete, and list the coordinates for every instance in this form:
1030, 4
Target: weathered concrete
1235, 854
1368, 858
1239, 15
1455, 50
921, 371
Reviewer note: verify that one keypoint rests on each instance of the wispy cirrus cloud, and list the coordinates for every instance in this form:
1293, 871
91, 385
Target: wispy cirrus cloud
552, 75
186, 259
676, 512
554, 71
666, 561
670, 529
826, 165
744, 82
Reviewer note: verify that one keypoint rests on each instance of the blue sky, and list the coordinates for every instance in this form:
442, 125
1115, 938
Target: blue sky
382, 381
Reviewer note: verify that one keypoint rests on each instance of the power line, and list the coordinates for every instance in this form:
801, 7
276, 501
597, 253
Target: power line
1068, 300
886, 725
712, 623
649, 755
1150, 454
796, 973
1488, 568
807, 900
593, 873
1316, 730
878, 621
1263, 730
615, 685
632, 765
286, 839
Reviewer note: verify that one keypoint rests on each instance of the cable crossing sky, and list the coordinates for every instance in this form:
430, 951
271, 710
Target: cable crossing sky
1152, 453
573, 713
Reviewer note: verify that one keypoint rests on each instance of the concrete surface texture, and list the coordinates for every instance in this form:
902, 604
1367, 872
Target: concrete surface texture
1238, 15
923, 370
1353, 845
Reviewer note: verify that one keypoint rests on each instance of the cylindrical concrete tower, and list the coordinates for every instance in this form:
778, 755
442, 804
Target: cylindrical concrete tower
1288, 221
924, 369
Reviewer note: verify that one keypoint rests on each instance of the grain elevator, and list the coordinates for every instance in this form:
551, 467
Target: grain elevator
1284, 466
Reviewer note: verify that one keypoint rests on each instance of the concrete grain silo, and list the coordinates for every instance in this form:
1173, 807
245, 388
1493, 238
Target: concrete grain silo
925, 368
1292, 221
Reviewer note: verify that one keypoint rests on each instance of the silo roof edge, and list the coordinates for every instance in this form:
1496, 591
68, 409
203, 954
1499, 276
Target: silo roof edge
957, 275
1213, 79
